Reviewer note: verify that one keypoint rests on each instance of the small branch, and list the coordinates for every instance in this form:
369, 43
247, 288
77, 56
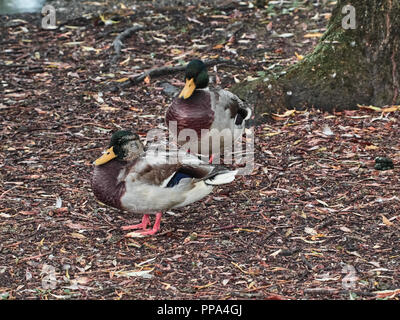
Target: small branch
118, 42
5, 192
306, 262
31, 257
337, 291
170, 70
245, 294
223, 228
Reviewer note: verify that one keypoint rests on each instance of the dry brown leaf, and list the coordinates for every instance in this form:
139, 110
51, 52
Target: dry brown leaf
206, 285
387, 293
77, 235
373, 108
299, 56
391, 109
313, 35
386, 221
122, 79
107, 108
27, 213
280, 117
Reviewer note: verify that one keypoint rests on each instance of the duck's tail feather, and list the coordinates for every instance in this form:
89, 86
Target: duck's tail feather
249, 113
244, 114
220, 175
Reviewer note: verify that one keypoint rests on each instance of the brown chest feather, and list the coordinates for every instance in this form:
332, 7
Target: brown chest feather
192, 113
105, 183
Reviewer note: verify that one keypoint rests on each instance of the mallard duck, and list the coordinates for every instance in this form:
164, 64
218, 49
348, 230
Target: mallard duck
197, 107
129, 178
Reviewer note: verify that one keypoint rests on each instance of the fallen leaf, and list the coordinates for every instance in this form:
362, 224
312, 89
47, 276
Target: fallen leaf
387, 293
26, 213
345, 229
58, 65
310, 231
283, 35
274, 254
58, 203
218, 46
299, 56
373, 108
132, 273
122, 63
327, 131
313, 35
107, 108
225, 282
320, 201
206, 285
122, 79
288, 113
176, 51
17, 95
250, 78
386, 221
77, 236
391, 109
61, 210
76, 226
4, 215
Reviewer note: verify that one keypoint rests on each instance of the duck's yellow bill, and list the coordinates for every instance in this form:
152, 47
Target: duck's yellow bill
107, 156
188, 89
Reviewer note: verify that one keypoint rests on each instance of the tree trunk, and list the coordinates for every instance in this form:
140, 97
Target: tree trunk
348, 66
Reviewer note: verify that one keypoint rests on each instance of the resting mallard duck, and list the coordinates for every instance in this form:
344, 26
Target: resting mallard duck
127, 177
197, 107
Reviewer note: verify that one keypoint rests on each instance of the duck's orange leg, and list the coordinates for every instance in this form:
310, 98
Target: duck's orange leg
142, 225
210, 160
155, 228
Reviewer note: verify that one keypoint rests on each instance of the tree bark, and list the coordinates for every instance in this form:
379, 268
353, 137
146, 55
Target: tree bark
347, 67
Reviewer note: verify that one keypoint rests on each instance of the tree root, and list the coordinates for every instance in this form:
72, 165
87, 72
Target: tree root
161, 71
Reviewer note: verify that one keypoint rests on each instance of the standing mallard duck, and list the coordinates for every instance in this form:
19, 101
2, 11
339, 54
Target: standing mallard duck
126, 177
197, 107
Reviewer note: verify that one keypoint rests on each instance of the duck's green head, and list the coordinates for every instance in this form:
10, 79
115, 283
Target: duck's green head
124, 146
196, 76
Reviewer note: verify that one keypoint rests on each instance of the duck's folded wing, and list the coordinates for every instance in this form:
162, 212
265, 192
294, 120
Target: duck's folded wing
160, 187
146, 188
220, 175
211, 175
226, 100
190, 167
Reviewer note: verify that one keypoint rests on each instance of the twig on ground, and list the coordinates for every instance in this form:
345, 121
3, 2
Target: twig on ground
7, 191
118, 42
306, 262
337, 291
245, 294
